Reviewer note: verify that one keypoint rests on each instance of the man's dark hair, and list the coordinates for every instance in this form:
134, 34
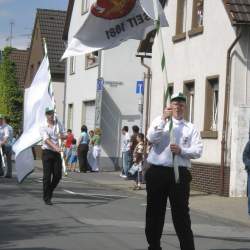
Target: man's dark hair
84, 128
69, 130
135, 129
125, 128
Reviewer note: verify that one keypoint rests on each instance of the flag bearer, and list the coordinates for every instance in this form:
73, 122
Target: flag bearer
4, 136
8, 148
51, 133
160, 178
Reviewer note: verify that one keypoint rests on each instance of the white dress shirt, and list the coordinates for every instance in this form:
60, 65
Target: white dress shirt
4, 133
52, 133
185, 135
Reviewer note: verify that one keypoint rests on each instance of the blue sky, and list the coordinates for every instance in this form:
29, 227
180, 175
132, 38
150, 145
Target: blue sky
22, 13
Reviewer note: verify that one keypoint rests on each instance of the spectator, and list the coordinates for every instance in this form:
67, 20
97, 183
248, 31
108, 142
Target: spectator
83, 148
96, 150
138, 161
133, 140
68, 144
246, 160
73, 156
125, 152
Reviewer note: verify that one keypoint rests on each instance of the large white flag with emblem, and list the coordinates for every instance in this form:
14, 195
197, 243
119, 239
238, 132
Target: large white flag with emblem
36, 99
111, 22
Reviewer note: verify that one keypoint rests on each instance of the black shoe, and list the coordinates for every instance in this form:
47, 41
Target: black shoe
48, 202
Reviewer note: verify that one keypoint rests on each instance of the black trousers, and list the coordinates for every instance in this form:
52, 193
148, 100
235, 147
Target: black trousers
52, 172
160, 185
82, 157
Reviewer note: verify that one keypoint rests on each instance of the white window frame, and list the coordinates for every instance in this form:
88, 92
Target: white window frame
72, 65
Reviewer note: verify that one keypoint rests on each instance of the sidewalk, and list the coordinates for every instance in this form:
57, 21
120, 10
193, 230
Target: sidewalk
225, 208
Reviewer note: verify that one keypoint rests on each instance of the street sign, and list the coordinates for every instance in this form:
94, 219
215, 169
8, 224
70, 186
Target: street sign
139, 87
100, 84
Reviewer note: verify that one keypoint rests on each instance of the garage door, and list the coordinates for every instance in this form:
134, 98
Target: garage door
89, 114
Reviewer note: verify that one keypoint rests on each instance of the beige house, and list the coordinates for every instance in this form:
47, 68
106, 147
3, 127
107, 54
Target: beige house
49, 25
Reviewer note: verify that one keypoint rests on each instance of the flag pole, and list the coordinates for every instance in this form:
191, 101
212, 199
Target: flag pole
166, 97
51, 92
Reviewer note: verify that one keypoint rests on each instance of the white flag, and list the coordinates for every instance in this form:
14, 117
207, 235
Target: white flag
36, 99
109, 23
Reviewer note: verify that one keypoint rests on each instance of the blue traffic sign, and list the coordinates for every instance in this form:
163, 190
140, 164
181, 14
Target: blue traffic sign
100, 84
139, 87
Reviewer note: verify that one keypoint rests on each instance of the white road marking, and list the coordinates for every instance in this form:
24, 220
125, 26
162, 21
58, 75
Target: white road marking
95, 195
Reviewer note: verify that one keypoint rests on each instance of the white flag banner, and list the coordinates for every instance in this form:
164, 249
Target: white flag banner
109, 23
36, 99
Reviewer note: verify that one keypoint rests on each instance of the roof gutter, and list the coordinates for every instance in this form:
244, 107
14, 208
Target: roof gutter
226, 113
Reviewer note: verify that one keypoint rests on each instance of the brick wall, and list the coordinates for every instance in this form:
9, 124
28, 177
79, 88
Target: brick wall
206, 178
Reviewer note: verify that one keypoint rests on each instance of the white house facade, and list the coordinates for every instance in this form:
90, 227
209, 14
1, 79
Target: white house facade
116, 101
197, 42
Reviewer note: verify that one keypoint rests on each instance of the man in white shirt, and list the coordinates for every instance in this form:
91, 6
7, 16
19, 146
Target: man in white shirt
4, 136
8, 148
126, 157
179, 140
51, 132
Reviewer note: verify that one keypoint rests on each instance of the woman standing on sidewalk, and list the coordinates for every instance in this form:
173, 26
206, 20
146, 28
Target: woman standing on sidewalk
96, 150
83, 148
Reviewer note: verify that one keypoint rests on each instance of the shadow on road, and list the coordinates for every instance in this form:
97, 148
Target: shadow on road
33, 248
242, 240
231, 249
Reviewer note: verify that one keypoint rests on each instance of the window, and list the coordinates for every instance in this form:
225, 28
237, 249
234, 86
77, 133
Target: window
197, 19
72, 65
31, 71
180, 21
211, 105
70, 116
91, 60
189, 92
170, 89
85, 6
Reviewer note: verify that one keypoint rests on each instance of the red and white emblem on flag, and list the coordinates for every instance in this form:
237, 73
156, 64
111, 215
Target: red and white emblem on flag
112, 9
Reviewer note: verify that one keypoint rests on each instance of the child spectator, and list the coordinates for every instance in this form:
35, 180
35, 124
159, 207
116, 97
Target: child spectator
73, 156
96, 150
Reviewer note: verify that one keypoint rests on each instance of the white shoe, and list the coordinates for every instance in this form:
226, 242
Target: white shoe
123, 176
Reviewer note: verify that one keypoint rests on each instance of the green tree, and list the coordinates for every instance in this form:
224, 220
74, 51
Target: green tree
11, 96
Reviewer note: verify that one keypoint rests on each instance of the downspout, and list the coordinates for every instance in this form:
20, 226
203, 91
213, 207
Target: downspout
148, 77
65, 88
226, 114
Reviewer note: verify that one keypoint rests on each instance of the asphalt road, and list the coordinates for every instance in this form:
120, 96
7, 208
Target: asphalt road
87, 216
